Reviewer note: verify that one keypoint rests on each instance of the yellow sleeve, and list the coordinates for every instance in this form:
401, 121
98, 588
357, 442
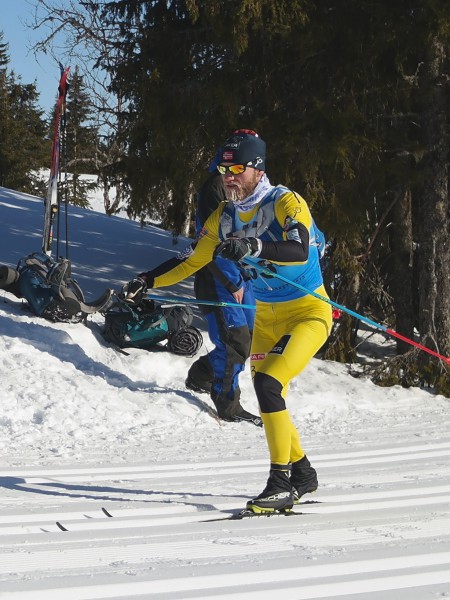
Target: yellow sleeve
200, 255
291, 207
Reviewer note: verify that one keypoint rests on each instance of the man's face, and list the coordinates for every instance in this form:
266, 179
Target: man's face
239, 187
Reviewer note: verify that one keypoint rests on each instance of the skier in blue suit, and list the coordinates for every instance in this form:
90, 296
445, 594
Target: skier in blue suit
229, 328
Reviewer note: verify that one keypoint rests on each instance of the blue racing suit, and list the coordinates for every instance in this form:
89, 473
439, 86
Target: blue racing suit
229, 328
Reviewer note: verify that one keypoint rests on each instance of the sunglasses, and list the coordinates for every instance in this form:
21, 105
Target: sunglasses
233, 169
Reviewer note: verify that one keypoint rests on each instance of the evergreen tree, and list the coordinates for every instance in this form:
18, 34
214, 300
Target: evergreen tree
81, 144
23, 147
4, 57
4, 61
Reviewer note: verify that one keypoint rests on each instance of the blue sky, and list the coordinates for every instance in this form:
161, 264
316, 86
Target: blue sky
41, 69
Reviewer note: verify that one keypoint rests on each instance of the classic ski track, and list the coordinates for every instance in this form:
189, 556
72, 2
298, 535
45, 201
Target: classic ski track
48, 554
392, 573
179, 512
350, 458
180, 531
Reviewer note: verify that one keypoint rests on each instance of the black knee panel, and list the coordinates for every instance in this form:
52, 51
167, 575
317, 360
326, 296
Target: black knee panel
239, 340
268, 391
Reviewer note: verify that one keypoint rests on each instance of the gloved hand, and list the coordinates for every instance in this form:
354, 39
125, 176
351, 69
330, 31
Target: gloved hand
134, 290
237, 248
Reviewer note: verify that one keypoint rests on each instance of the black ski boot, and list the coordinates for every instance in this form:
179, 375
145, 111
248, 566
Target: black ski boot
244, 415
196, 387
200, 376
303, 479
277, 496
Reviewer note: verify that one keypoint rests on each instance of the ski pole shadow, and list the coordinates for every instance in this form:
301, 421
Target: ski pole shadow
103, 493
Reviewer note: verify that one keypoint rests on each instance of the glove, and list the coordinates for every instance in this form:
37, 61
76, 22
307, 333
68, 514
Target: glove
237, 248
134, 290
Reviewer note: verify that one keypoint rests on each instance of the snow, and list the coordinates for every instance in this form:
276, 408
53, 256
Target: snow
84, 427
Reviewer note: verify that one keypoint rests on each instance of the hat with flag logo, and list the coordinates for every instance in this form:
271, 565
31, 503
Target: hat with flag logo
245, 148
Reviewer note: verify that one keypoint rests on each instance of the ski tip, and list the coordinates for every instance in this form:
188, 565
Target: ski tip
61, 526
104, 511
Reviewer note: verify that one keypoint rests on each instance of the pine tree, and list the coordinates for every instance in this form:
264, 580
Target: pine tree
23, 146
81, 142
4, 57
4, 109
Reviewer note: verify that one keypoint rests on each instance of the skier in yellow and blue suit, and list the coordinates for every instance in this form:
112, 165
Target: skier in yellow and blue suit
272, 224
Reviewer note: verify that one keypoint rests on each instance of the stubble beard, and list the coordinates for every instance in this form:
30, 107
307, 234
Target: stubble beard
241, 191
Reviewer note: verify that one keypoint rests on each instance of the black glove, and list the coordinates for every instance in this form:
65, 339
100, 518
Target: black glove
236, 248
134, 290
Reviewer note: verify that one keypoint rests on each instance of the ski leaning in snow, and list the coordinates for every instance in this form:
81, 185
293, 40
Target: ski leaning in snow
51, 202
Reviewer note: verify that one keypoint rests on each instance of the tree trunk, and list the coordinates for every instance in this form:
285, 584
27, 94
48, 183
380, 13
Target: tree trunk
433, 206
341, 344
401, 269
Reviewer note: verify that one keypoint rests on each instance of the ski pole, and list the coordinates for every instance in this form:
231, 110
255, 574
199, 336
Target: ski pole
256, 265
182, 300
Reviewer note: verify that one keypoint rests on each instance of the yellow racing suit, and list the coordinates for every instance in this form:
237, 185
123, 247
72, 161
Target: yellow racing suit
290, 325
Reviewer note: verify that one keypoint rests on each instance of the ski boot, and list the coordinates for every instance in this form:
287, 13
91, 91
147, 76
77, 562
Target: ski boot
243, 415
277, 496
200, 376
303, 479
196, 387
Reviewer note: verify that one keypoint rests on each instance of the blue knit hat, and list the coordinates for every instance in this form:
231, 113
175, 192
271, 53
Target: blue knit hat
215, 161
245, 148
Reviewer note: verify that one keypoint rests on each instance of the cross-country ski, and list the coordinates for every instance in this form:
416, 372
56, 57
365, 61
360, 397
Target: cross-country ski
52, 200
